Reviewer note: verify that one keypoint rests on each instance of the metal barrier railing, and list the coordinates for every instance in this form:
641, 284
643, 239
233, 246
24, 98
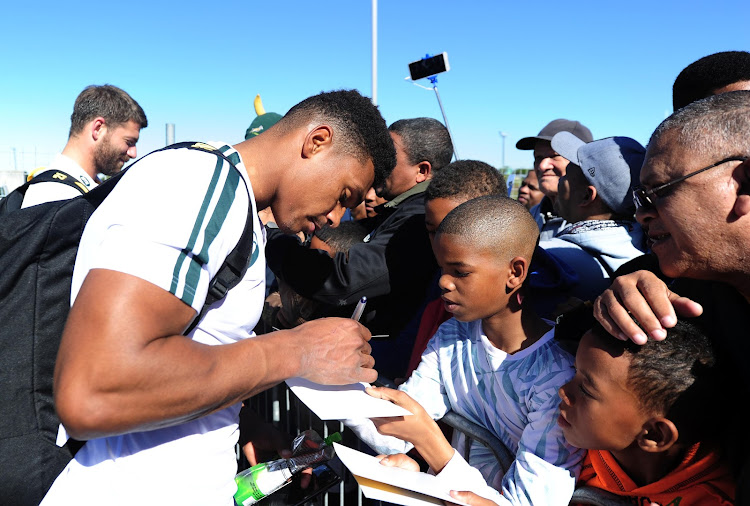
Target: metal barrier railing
279, 406
287, 413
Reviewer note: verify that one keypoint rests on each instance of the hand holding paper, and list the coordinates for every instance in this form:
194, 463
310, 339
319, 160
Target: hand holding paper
471, 499
341, 402
393, 484
401, 461
419, 429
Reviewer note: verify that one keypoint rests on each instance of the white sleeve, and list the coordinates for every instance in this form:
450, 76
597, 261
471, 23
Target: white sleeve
425, 387
366, 432
458, 475
546, 466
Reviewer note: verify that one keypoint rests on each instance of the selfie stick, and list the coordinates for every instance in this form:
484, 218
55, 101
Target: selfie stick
433, 80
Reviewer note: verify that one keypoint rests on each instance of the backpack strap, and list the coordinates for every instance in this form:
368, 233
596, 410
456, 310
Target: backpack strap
236, 263
58, 176
14, 200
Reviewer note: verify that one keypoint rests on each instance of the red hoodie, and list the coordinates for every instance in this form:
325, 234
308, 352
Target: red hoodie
700, 479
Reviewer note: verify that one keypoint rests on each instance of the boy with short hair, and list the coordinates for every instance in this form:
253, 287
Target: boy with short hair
495, 362
647, 414
454, 184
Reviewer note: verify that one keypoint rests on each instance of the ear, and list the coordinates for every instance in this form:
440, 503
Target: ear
317, 140
519, 268
97, 129
657, 435
742, 176
424, 171
589, 197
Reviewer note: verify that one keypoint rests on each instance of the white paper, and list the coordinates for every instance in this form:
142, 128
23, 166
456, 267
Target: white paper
341, 402
393, 484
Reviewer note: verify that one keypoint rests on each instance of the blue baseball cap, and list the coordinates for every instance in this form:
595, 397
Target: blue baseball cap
611, 165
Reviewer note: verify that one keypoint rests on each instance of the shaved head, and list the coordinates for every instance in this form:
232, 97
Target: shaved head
494, 222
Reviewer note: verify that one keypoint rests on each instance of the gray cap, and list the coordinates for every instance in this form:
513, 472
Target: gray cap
552, 128
610, 165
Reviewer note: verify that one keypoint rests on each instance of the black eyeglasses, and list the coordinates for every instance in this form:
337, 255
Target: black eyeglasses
642, 196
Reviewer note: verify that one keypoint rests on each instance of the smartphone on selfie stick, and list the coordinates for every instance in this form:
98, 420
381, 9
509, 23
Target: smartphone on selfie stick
430, 67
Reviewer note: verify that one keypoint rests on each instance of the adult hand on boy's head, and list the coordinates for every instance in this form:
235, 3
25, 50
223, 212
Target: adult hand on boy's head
471, 499
335, 351
641, 296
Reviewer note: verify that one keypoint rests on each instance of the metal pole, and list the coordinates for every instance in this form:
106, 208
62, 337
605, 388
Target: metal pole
445, 119
375, 52
503, 135
170, 133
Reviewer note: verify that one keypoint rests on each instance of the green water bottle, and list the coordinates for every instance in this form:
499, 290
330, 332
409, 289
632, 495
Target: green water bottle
261, 480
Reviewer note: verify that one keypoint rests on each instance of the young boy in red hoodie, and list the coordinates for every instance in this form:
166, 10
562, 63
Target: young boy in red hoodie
648, 415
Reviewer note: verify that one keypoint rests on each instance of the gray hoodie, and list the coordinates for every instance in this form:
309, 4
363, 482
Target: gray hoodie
594, 249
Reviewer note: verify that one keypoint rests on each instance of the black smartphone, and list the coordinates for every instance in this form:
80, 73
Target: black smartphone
323, 479
429, 66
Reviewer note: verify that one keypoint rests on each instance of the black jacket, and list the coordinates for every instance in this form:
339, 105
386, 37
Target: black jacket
394, 269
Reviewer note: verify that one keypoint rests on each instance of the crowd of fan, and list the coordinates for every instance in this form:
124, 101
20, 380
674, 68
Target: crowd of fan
559, 321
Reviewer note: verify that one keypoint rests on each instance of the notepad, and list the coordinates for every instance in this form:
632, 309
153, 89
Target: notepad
393, 484
341, 402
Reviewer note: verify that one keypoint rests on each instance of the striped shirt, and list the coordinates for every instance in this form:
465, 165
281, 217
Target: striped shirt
513, 396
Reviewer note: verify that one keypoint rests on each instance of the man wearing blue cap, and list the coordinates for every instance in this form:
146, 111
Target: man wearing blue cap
594, 197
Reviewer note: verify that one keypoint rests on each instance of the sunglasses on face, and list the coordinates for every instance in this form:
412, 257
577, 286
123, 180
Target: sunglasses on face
642, 197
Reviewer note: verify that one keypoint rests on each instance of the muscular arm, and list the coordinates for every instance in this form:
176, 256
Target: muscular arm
123, 364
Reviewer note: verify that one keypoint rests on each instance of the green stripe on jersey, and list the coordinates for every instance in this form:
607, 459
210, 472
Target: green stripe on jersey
210, 230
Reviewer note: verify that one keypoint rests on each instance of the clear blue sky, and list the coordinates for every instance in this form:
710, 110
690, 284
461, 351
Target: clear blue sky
514, 65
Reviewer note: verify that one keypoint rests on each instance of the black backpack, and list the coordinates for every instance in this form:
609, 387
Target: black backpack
38, 247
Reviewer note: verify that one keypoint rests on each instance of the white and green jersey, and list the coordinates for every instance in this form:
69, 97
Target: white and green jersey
172, 220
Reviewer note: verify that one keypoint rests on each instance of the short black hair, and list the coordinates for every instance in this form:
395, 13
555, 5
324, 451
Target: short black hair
699, 79
359, 128
424, 139
343, 237
110, 102
493, 222
465, 180
677, 377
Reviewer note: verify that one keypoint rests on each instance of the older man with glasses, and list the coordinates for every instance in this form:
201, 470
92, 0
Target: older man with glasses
694, 204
